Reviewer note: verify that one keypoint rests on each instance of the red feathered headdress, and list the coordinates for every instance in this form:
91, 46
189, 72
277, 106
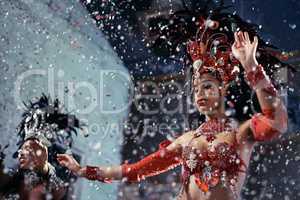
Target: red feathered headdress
212, 52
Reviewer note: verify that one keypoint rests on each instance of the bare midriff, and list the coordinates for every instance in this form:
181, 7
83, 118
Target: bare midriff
218, 192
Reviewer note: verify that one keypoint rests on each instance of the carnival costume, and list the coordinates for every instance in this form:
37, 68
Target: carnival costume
220, 163
210, 51
45, 122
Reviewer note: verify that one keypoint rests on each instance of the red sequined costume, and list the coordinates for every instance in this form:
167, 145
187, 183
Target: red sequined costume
221, 162
218, 163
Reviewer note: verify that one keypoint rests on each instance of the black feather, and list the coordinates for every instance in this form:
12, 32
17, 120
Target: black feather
182, 26
53, 115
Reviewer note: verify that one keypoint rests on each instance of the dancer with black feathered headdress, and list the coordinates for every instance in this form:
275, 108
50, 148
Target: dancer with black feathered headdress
222, 48
44, 131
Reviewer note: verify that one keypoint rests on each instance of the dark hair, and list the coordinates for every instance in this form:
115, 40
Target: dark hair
182, 26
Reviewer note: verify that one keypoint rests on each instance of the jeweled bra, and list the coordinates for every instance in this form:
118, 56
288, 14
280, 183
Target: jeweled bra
219, 163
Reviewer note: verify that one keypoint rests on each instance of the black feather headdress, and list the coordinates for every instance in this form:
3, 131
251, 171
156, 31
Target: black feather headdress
44, 120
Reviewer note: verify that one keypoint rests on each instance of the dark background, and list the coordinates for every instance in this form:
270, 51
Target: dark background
274, 169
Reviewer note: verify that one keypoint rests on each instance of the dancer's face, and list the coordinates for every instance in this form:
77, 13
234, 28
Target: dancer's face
208, 93
32, 155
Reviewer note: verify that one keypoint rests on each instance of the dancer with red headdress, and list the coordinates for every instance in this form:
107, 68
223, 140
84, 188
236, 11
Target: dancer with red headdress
215, 156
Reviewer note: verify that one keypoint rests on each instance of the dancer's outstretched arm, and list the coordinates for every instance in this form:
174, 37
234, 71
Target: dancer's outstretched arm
168, 156
92, 173
273, 119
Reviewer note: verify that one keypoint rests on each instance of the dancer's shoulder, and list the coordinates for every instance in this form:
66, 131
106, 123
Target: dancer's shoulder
179, 142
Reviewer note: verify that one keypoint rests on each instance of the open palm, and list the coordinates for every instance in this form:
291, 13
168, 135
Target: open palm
244, 50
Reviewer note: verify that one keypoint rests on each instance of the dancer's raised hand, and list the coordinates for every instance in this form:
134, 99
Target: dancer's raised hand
244, 50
